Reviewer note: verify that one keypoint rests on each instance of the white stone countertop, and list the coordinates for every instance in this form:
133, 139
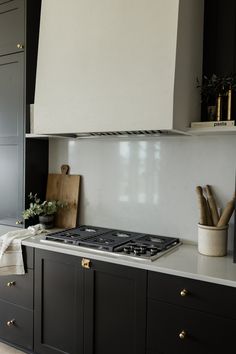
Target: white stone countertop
183, 261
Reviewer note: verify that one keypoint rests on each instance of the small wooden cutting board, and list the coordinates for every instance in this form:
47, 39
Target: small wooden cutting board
64, 187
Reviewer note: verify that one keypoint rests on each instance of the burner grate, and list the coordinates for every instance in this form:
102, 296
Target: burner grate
141, 246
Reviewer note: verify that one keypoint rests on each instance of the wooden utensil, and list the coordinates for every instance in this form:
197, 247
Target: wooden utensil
212, 205
64, 187
227, 212
202, 206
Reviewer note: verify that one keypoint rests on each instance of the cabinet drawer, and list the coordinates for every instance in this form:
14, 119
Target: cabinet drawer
205, 333
19, 332
199, 295
17, 289
28, 257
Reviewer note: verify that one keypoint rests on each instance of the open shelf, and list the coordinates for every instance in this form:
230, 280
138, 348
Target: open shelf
212, 131
45, 136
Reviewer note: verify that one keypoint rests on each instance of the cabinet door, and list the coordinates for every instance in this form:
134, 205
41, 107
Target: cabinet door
115, 309
11, 137
12, 26
203, 333
58, 303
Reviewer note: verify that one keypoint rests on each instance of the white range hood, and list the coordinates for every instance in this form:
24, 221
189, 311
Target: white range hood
118, 66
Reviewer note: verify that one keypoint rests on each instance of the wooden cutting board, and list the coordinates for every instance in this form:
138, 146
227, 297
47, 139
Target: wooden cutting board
64, 187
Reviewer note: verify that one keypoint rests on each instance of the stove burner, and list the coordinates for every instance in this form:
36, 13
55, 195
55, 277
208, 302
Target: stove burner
156, 240
103, 240
87, 229
120, 234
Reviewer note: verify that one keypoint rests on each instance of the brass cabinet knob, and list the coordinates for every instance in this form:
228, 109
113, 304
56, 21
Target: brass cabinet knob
11, 283
20, 46
11, 323
183, 334
19, 222
86, 263
184, 292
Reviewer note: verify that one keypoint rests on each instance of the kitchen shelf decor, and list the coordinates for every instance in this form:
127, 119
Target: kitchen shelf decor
45, 210
64, 186
216, 95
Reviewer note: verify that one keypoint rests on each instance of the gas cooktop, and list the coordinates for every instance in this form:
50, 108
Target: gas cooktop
119, 242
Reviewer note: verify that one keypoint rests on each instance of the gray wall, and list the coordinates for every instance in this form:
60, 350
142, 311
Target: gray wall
148, 185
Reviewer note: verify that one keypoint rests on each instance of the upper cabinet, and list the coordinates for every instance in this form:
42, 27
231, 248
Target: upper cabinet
12, 38
113, 66
24, 163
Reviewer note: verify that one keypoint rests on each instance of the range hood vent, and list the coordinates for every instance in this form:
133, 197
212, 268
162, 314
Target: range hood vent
131, 67
137, 133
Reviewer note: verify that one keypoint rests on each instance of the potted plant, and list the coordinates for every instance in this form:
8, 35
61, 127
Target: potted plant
214, 87
45, 210
210, 89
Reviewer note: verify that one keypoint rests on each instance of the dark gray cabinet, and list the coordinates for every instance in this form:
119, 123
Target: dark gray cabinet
96, 310
11, 137
93, 307
12, 26
189, 316
115, 308
58, 304
16, 305
12, 109
219, 45
24, 163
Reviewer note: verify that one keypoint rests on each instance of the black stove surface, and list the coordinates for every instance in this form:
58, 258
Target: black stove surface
75, 235
117, 241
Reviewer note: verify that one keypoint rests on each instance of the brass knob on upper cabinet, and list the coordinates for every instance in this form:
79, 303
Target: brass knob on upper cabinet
11, 283
183, 334
11, 323
184, 292
86, 263
20, 46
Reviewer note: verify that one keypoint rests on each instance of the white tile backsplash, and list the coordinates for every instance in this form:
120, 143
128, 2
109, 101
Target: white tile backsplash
148, 184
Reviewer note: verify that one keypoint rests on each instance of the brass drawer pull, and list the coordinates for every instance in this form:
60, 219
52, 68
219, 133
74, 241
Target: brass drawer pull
11, 283
86, 263
184, 292
20, 46
183, 334
11, 323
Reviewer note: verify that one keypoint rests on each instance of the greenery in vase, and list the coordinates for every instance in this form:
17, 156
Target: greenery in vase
212, 86
37, 207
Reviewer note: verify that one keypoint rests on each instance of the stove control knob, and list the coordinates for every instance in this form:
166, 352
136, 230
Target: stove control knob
143, 249
153, 251
184, 292
183, 334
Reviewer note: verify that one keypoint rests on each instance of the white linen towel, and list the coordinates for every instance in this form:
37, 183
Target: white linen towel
11, 259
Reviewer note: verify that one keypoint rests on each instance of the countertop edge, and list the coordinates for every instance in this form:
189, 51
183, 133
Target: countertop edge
178, 262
